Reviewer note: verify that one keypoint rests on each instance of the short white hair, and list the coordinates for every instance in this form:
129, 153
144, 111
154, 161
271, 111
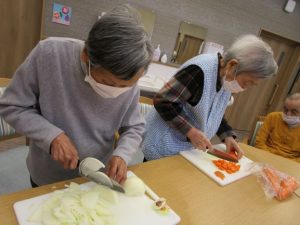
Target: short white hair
253, 56
295, 96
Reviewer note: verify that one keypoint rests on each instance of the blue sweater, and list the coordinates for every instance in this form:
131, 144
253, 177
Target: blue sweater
48, 96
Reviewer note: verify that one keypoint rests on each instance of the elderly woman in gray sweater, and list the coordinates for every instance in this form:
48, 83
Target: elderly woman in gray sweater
70, 97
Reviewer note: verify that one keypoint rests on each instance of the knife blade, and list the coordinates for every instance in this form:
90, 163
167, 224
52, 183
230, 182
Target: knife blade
223, 155
101, 178
89, 168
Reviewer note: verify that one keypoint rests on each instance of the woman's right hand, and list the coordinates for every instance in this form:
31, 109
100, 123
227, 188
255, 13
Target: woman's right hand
199, 139
64, 151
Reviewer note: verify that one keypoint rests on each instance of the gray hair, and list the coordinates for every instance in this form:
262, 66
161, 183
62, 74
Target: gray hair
295, 96
118, 43
253, 55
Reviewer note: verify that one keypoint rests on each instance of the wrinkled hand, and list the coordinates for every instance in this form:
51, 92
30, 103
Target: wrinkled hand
232, 146
64, 151
117, 169
199, 139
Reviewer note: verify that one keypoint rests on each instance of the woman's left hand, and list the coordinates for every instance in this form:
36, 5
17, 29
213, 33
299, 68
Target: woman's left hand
232, 146
117, 169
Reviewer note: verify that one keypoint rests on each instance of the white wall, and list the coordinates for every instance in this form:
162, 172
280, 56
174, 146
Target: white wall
224, 19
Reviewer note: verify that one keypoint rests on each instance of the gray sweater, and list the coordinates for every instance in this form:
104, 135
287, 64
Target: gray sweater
48, 96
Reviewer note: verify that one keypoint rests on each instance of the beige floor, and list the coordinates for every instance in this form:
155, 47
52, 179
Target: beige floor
13, 170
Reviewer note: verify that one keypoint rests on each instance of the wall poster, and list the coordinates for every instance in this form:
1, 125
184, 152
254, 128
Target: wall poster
61, 14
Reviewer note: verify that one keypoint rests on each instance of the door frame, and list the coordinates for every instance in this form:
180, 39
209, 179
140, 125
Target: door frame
278, 99
183, 44
20, 34
291, 68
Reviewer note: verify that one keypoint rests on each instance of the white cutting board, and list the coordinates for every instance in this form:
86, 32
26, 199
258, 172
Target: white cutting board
203, 161
129, 210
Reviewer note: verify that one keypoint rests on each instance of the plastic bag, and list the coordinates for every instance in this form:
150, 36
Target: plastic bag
275, 183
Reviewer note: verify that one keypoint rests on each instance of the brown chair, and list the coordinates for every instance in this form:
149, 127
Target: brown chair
254, 130
4, 82
6, 131
146, 104
146, 100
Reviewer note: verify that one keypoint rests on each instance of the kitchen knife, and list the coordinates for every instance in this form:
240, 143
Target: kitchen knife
102, 178
89, 168
223, 155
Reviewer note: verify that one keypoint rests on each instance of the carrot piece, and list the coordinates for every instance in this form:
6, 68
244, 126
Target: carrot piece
273, 178
220, 174
229, 167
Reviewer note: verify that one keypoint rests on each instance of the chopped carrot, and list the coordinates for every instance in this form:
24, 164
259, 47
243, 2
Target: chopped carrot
220, 174
233, 153
229, 167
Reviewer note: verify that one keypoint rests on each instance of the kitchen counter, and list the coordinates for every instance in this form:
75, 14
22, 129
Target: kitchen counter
155, 78
195, 197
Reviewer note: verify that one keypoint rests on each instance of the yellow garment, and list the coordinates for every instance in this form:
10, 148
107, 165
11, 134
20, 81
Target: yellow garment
275, 136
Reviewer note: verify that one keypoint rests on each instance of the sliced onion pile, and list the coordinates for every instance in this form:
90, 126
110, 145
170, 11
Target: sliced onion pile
73, 206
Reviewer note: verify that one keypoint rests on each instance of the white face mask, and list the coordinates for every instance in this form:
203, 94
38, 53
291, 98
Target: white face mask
232, 86
291, 121
105, 91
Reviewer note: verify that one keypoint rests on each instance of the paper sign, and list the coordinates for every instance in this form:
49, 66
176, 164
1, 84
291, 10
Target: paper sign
61, 14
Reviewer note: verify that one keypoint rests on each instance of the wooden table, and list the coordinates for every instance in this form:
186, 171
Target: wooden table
195, 197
